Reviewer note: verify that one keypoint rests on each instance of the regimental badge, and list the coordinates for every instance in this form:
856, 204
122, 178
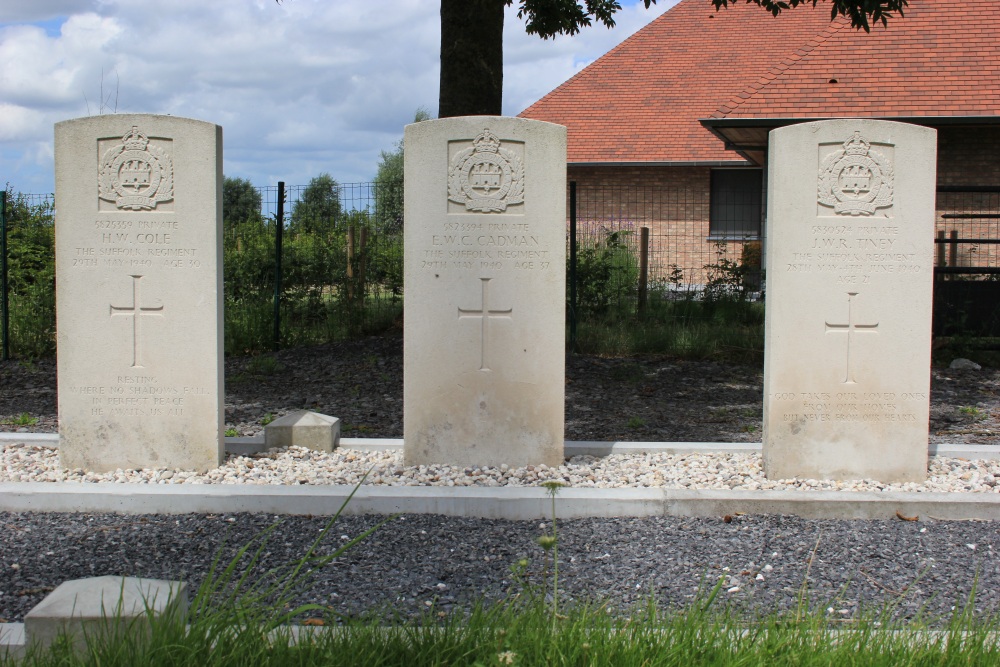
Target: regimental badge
856, 180
486, 177
135, 176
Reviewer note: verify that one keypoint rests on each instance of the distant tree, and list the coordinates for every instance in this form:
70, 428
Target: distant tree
389, 183
472, 38
248, 253
318, 208
241, 201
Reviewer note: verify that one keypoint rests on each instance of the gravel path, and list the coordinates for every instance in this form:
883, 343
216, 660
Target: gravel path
418, 561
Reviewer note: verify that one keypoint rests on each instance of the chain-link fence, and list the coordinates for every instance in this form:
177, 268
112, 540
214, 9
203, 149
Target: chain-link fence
27, 278
967, 262
334, 271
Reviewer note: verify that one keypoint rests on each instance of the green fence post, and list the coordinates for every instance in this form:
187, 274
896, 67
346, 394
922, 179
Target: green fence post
4, 284
279, 224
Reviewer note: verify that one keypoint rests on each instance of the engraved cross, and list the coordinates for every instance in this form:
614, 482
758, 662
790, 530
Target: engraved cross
485, 314
136, 312
850, 328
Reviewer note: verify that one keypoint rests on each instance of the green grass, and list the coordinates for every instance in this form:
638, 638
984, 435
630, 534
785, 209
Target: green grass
729, 330
249, 325
23, 419
525, 630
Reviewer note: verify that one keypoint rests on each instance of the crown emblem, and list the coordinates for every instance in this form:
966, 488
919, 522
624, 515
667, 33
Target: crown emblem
856, 145
135, 140
135, 176
486, 142
486, 177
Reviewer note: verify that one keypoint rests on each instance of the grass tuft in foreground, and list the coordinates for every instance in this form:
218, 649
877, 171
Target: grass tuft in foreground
522, 632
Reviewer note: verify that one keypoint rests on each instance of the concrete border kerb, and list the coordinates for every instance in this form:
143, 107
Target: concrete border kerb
515, 503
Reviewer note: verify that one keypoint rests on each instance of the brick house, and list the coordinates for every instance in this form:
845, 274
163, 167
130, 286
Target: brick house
677, 115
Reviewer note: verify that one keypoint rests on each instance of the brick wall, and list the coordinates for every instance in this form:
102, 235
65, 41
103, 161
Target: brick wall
673, 202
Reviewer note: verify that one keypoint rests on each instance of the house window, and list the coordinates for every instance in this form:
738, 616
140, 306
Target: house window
735, 211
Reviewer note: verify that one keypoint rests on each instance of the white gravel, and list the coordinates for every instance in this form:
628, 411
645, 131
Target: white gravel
297, 465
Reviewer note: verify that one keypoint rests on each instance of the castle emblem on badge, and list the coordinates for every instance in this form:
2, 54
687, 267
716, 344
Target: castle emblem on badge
486, 177
135, 176
856, 180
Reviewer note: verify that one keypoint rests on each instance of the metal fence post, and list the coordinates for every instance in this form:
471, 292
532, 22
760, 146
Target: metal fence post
4, 284
572, 266
279, 225
643, 268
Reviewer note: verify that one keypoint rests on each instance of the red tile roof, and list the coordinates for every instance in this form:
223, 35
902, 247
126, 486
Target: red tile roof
942, 59
641, 102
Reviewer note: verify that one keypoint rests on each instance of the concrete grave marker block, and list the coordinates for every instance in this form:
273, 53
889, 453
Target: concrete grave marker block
485, 275
848, 311
85, 607
304, 428
139, 296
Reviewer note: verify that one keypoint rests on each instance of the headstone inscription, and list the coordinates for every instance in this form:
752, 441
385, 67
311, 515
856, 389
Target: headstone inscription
484, 269
139, 292
848, 312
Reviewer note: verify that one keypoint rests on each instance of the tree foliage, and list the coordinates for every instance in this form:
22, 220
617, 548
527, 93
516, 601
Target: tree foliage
241, 201
31, 267
859, 11
389, 183
318, 208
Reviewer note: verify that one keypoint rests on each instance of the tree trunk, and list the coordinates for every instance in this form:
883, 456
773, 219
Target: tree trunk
471, 58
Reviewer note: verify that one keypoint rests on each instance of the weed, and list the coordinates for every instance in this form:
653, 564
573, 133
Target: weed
232, 432
264, 364
635, 422
749, 428
266, 419
23, 419
972, 411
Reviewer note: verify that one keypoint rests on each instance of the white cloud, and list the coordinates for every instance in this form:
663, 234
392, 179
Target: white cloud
41, 10
300, 87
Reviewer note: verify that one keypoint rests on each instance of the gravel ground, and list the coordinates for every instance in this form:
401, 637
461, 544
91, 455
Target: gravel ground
651, 398
418, 561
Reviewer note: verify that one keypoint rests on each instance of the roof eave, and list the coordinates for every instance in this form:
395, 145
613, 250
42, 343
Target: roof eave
756, 149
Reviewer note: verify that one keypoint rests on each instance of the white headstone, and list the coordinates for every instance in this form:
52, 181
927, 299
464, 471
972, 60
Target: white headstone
139, 292
485, 276
849, 287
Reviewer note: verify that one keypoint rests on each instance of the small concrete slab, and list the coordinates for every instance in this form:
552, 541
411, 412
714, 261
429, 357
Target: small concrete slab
85, 607
304, 429
11, 641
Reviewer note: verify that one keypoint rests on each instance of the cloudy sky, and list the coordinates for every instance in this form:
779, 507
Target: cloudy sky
300, 88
